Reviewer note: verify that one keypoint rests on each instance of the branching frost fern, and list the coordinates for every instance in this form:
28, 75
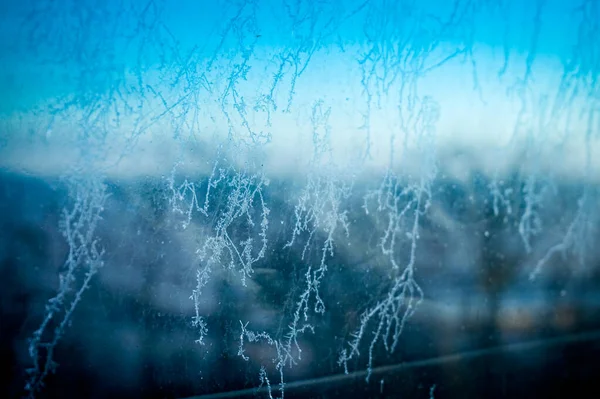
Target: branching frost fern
79, 227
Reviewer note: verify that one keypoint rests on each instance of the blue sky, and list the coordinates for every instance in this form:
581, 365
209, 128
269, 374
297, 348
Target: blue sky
103, 47
200, 24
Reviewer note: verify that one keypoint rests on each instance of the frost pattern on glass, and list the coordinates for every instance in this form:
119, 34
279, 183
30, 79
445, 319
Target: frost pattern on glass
350, 102
78, 226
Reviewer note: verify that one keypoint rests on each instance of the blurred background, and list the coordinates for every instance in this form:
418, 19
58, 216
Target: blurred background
131, 335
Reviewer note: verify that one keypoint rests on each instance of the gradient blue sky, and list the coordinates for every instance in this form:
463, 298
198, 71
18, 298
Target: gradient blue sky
103, 47
508, 24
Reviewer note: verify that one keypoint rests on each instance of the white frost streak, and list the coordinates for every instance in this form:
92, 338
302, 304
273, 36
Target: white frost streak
78, 225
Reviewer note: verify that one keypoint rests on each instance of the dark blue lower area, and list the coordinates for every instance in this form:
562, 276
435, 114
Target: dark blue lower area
483, 330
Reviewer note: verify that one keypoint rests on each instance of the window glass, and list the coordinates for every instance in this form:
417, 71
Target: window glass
299, 198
